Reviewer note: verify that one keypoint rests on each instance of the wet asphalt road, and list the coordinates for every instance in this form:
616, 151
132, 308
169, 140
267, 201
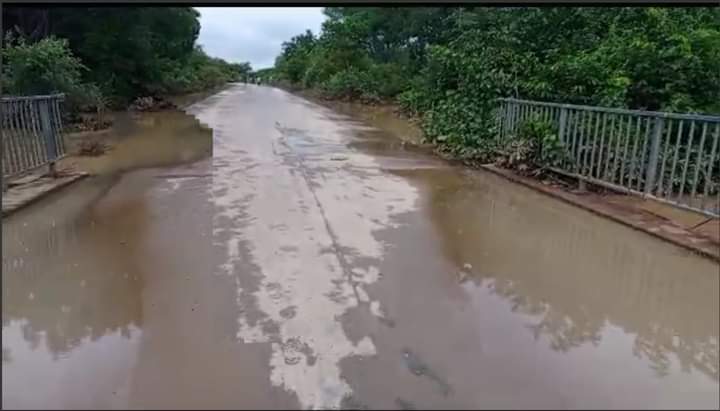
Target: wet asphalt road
314, 262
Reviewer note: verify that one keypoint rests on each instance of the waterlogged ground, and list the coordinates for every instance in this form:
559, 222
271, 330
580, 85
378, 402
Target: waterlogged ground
312, 261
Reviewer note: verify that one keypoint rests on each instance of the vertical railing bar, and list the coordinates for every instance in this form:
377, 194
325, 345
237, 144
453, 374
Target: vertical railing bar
522, 108
618, 143
20, 135
675, 159
57, 128
562, 122
17, 141
578, 154
9, 114
668, 136
500, 118
687, 161
711, 163
499, 121
506, 119
651, 166
7, 153
642, 165
572, 131
44, 114
698, 166
609, 146
32, 109
633, 160
501, 130
598, 166
509, 119
30, 113
40, 138
22, 159
528, 113
594, 141
27, 133
625, 150
10, 139
588, 137
509, 114
576, 120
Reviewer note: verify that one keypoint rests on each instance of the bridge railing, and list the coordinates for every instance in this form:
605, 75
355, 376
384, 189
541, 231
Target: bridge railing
670, 157
31, 133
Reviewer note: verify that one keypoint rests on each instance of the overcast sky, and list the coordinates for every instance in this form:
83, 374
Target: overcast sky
253, 34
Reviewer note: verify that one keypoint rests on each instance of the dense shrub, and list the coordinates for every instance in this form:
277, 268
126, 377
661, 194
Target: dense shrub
45, 67
120, 53
448, 65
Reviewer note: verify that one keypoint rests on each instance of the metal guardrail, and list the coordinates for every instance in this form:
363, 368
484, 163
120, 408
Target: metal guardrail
31, 133
673, 158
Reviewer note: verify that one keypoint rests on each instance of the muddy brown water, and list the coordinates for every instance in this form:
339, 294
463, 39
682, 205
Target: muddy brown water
298, 256
141, 140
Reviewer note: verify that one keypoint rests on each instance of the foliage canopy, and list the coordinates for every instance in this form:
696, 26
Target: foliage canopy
448, 64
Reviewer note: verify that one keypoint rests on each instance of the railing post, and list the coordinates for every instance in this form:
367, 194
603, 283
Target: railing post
654, 154
48, 136
562, 121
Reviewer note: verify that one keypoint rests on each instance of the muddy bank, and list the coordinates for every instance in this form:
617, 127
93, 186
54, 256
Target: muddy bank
383, 115
89, 123
138, 139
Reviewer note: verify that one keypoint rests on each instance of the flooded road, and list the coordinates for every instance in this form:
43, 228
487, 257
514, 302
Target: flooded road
312, 261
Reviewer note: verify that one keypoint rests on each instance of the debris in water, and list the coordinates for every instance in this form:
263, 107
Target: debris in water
414, 363
462, 276
419, 368
338, 158
404, 405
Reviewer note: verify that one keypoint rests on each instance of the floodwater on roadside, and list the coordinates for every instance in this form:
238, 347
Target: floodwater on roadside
122, 291
144, 139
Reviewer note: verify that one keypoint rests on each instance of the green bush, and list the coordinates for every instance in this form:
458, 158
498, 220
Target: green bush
128, 52
346, 83
547, 149
448, 65
45, 67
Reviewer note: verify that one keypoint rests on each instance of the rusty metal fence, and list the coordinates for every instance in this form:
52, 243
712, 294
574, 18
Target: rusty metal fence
31, 133
670, 157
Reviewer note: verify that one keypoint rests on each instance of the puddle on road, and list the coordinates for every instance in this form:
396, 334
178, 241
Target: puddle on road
147, 139
556, 301
75, 269
559, 308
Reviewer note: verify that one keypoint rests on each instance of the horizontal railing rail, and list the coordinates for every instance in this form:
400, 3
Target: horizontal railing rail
670, 157
31, 133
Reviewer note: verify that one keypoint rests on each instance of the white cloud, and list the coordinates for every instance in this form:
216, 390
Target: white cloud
253, 34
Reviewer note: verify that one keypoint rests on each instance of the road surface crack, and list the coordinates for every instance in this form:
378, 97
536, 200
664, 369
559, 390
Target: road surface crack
337, 251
